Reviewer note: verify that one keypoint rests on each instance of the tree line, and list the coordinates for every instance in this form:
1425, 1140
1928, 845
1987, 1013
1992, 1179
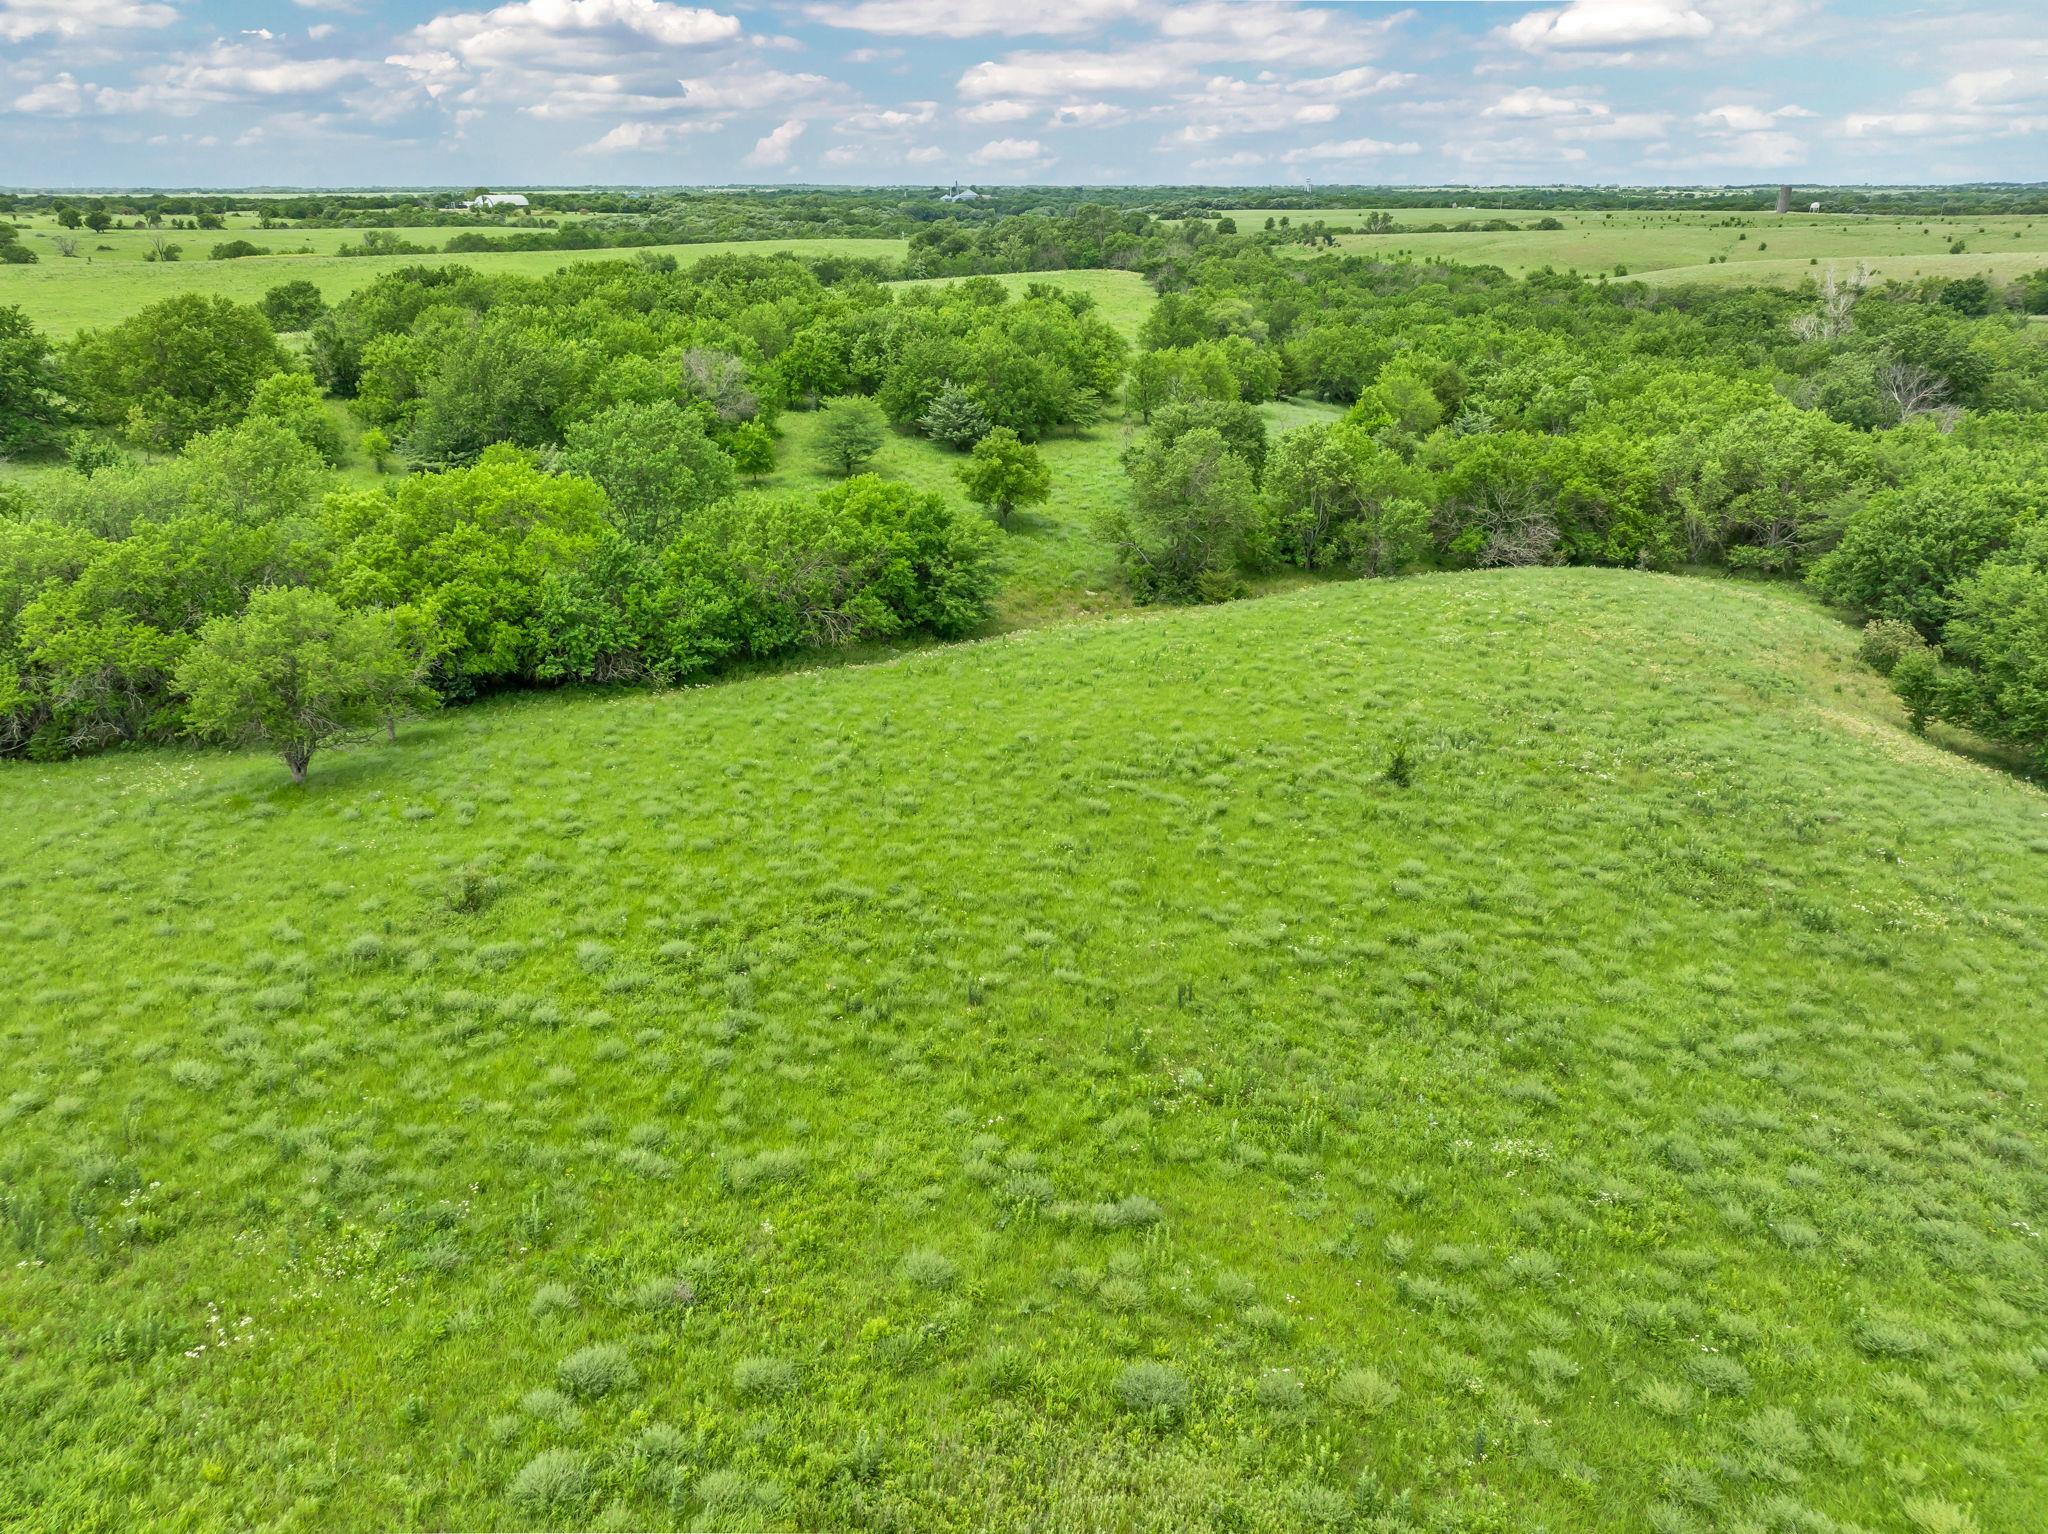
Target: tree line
587, 439
1887, 446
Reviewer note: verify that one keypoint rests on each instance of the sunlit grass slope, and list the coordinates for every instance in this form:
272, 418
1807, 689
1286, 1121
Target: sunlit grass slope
1490, 1052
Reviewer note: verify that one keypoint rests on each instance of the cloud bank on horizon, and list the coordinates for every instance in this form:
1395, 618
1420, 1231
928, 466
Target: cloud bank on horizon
537, 92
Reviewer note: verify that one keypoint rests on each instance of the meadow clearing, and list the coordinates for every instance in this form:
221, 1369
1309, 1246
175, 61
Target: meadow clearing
1516, 1050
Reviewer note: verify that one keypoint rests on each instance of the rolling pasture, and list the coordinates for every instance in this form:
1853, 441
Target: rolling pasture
1721, 248
1524, 1050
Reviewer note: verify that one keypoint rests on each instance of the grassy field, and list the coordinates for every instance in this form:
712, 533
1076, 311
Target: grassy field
1677, 247
1537, 1050
41, 233
67, 296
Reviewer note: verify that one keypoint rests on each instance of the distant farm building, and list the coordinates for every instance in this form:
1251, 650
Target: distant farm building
495, 200
961, 194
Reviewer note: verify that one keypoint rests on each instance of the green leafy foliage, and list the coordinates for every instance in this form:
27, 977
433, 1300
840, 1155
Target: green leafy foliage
657, 464
294, 401
183, 366
294, 671
293, 305
1335, 497
852, 433
32, 413
1004, 473
1191, 518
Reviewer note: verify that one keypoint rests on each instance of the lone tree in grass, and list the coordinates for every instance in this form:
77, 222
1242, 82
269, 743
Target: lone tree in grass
852, 433
752, 449
295, 671
1005, 473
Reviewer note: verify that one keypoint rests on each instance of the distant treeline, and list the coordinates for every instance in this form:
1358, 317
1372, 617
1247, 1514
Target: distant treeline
1918, 201
854, 212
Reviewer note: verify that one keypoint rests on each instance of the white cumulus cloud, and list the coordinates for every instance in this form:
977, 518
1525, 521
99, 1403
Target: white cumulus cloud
775, 148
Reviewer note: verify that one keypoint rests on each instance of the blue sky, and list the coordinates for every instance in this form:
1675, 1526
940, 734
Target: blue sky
383, 92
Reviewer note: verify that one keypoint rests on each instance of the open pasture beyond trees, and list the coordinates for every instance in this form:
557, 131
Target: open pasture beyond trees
1658, 246
1504, 1050
67, 296
1666, 246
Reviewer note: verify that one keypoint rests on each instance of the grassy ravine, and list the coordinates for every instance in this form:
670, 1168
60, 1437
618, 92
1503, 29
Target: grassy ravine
797, 1103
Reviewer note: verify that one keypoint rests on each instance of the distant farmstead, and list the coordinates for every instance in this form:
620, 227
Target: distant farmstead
961, 194
496, 200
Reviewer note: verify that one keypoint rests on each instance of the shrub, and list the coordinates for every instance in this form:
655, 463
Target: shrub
1281, 1390
1190, 518
863, 560
297, 673
552, 1481
1916, 677
1154, 1391
1334, 496
182, 366
1005, 473
953, 418
929, 1270
764, 1379
1884, 641
32, 412
752, 449
294, 401
596, 1371
656, 463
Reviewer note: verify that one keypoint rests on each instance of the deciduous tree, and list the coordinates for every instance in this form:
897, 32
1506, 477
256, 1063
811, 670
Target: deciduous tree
297, 672
1005, 473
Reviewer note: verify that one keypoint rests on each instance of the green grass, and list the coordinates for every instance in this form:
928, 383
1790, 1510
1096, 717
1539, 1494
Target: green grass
64, 297
41, 232
1676, 246
1061, 1082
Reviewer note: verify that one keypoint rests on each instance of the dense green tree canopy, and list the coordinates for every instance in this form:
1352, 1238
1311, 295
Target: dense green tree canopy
184, 365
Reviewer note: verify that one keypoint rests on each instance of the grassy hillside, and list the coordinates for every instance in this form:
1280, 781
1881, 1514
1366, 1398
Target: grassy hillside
64, 296
1516, 1051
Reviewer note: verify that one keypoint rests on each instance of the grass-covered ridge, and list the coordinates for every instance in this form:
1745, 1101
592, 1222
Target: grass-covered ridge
1071, 1081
